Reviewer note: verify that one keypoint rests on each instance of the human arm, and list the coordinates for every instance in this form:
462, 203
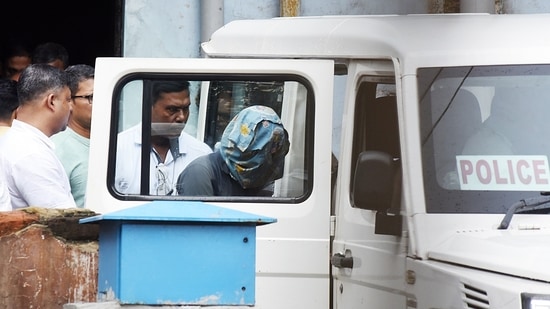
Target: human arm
41, 181
5, 201
78, 180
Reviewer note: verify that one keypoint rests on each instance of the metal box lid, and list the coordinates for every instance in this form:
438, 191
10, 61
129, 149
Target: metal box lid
182, 211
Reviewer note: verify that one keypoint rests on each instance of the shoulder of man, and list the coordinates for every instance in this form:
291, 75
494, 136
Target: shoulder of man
193, 143
130, 136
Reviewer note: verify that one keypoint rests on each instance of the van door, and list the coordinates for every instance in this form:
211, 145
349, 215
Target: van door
292, 255
368, 253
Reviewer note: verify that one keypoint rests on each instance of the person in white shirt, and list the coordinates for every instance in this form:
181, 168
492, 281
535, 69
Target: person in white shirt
8, 106
5, 200
172, 148
33, 173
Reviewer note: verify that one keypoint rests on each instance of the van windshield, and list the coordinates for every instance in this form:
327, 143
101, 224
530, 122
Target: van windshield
485, 136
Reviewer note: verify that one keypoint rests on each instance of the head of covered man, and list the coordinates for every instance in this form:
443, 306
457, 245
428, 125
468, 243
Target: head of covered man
254, 145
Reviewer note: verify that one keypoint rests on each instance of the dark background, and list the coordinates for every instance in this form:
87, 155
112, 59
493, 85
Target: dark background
87, 29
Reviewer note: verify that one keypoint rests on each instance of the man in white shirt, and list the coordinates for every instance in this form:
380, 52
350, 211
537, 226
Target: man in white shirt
8, 106
5, 200
33, 173
172, 149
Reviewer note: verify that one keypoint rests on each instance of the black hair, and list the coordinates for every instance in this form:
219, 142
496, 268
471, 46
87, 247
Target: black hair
167, 86
11, 51
77, 74
38, 79
9, 100
49, 52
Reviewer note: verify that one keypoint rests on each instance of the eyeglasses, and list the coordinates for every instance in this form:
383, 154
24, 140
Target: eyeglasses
164, 187
89, 97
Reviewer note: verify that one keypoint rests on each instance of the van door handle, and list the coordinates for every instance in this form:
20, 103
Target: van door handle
341, 261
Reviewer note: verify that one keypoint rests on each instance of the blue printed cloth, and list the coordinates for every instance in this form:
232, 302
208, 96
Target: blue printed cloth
254, 145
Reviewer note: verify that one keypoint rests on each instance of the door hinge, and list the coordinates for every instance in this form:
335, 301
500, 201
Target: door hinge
332, 225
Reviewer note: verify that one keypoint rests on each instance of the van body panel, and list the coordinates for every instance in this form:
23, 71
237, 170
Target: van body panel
389, 36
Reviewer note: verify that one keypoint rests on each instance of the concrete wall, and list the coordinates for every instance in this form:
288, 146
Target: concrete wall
47, 259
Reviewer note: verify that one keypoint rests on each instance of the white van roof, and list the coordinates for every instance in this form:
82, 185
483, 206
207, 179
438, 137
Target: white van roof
415, 40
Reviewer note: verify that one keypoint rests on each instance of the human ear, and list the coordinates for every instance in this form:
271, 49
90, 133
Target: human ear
50, 101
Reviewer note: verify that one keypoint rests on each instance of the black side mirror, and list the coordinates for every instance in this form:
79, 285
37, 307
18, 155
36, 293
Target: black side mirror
374, 179
375, 186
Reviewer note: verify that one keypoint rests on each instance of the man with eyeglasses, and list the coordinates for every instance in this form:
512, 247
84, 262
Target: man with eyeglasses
33, 173
72, 146
172, 149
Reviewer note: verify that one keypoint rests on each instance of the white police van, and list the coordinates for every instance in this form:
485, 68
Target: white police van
439, 127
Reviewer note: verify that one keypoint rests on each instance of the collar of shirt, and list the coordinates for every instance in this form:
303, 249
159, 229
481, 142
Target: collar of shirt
29, 129
177, 145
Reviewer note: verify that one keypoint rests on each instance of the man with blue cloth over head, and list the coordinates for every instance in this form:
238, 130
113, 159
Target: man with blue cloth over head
250, 155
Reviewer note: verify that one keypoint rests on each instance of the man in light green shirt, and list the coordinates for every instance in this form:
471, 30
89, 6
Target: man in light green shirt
72, 145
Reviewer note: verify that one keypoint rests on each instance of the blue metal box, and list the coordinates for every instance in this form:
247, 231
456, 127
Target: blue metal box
173, 252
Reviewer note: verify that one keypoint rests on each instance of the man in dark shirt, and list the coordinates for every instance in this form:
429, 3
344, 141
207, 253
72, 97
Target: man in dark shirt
250, 156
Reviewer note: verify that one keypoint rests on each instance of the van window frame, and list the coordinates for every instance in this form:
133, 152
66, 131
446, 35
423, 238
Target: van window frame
309, 124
